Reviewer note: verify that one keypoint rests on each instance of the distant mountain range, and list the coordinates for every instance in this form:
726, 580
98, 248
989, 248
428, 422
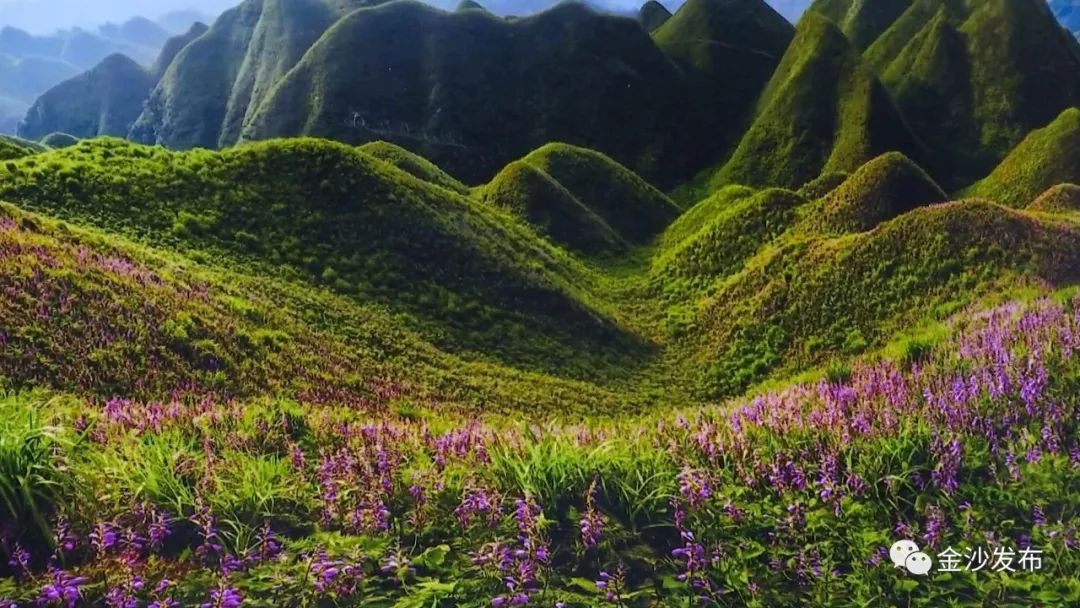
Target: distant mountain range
30, 65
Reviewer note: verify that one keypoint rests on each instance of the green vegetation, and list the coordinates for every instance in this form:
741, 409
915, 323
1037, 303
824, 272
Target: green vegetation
1063, 198
882, 189
862, 22
474, 280
729, 49
973, 78
1045, 158
809, 300
415, 165
104, 101
17, 147
823, 111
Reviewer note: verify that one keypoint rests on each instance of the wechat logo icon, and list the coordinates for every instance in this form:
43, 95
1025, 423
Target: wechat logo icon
905, 554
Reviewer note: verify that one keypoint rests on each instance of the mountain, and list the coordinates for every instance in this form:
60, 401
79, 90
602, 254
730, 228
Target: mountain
103, 101
824, 110
862, 22
31, 65
729, 50
652, 15
174, 45
436, 82
973, 78
1045, 158
106, 100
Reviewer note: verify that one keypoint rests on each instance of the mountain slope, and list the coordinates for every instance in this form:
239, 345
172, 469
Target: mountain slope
1063, 198
173, 46
880, 190
581, 199
437, 83
809, 300
1046, 157
862, 22
823, 111
729, 49
204, 98
104, 101
973, 79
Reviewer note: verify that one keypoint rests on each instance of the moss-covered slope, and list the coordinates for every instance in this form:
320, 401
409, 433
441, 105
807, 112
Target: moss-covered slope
1063, 198
862, 22
974, 78
473, 279
823, 111
810, 300
652, 15
880, 190
729, 49
1045, 158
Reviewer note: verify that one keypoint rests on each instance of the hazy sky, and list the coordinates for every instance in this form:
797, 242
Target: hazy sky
43, 16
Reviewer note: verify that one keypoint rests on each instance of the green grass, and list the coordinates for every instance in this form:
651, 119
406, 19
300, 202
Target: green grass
1045, 158
880, 190
15, 147
1063, 198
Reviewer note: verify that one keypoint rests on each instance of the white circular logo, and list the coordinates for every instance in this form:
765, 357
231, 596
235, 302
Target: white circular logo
918, 563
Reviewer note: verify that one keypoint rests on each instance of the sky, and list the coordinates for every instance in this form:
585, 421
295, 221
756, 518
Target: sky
45, 16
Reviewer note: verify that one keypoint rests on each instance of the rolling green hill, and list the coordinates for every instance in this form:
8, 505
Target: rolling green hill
581, 199
809, 300
1046, 157
880, 190
474, 281
823, 111
1063, 198
14, 147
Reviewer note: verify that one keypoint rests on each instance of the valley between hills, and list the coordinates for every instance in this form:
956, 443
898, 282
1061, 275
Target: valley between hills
360, 303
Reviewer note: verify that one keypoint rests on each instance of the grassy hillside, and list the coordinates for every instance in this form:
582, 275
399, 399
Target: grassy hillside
436, 83
415, 165
1046, 157
729, 49
1063, 198
103, 101
205, 95
880, 190
173, 46
15, 147
823, 111
542, 202
474, 280
810, 300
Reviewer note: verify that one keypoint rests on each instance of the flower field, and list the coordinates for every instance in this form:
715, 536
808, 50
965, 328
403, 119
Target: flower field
791, 497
